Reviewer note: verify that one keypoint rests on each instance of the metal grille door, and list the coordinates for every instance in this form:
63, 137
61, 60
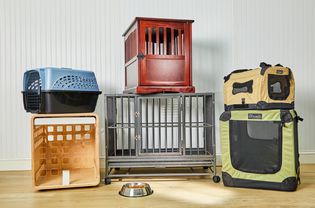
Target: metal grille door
159, 125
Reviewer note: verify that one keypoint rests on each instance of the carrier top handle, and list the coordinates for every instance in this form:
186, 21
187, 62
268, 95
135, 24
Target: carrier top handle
264, 67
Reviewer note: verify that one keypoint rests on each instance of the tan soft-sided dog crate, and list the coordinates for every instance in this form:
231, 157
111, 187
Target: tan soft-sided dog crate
267, 87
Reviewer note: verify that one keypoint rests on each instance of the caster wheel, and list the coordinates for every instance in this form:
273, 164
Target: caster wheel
216, 179
205, 167
108, 181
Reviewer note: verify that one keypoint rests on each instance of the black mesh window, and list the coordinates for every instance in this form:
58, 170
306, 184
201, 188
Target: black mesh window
255, 146
278, 86
242, 87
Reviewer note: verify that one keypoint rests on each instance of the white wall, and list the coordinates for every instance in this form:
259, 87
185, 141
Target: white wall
281, 31
87, 34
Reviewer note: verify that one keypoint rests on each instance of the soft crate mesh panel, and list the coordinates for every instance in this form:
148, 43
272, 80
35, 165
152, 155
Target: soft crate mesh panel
255, 146
76, 82
278, 87
243, 87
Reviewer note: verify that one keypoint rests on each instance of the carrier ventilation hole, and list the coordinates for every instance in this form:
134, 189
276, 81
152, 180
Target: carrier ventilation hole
43, 173
50, 138
87, 136
42, 150
66, 149
54, 172
69, 128
50, 129
54, 150
75, 82
69, 137
54, 161
59, 137
59, 128
78, 128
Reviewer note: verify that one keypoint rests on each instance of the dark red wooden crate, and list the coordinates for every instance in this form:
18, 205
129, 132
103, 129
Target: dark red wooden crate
158, 56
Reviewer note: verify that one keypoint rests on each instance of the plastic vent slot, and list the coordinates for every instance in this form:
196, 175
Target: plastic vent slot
75, 82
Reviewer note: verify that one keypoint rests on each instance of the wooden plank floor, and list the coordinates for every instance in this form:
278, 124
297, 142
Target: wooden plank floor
16, 191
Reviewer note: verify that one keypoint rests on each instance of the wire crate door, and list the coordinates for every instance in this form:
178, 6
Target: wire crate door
159, 120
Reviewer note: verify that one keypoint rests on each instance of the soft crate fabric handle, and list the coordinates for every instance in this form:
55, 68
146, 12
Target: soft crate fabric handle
226, 78
263, 67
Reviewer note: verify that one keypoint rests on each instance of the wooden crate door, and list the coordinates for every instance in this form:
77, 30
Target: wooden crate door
164, 53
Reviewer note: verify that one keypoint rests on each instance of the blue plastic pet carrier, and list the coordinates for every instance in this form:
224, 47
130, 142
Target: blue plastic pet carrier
59, 90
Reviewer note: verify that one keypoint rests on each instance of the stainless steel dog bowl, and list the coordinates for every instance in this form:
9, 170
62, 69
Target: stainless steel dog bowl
136, 190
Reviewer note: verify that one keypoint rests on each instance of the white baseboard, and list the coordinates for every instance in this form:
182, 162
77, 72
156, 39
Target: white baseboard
307, 158
25, 164
18, 164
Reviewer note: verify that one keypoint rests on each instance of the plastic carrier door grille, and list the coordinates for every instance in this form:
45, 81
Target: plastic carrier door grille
33, 100
33, 91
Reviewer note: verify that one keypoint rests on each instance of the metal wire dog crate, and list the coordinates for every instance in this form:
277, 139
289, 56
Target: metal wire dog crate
161, 130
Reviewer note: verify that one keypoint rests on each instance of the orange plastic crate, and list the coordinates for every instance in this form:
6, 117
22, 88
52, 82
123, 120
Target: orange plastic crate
65, 151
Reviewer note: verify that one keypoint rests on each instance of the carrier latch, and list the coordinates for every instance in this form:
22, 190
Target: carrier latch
140, 55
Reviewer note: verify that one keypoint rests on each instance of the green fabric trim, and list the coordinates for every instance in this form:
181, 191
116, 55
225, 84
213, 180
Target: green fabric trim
288, 159
270, 115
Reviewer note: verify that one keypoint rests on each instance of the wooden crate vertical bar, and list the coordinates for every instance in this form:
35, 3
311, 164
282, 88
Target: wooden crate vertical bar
179, 42
165, 41
157, 35
149, 41
172, 42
